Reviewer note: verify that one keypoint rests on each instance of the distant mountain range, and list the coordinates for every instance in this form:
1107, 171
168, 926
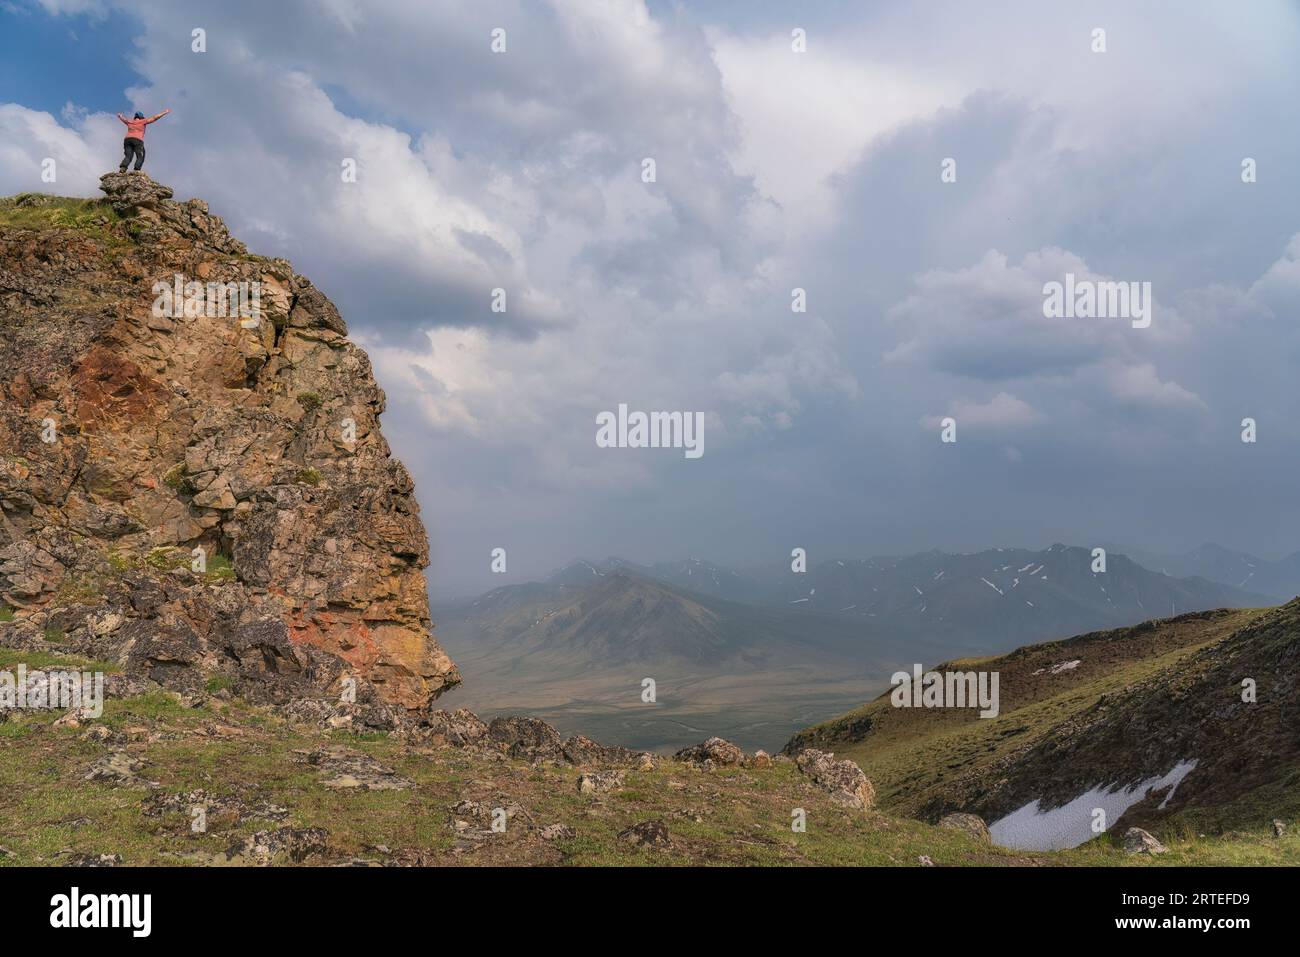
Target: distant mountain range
762, 650
987, 600
1278, 579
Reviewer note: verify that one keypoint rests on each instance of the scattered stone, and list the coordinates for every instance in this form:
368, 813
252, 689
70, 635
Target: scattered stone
344, 769
1138, 841
843, 779
94, 860
600, 782
69, 719
556, 832
411, 857
1279, 827
761, 759
972, 824
284, 845
229, 810
925, 860
98, 732
466, 813
116, 767
715, 752
647, 834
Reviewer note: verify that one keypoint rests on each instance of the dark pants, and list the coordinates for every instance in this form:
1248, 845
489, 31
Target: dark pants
132, 147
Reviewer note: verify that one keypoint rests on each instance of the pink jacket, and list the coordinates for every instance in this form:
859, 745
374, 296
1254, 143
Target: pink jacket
135, 128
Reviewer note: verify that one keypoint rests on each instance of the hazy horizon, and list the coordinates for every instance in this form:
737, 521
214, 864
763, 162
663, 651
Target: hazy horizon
515, 576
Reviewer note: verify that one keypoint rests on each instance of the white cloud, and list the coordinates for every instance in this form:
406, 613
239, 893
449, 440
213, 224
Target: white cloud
1002, 411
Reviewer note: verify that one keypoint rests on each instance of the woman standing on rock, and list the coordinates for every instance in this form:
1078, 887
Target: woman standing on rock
133, 145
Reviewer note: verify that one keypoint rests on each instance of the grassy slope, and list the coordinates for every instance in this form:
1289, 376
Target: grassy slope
40, 211
919, 759
48, 811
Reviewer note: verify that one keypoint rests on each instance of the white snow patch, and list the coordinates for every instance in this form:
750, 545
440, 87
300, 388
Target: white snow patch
993, 586
1060, 666
1031, 829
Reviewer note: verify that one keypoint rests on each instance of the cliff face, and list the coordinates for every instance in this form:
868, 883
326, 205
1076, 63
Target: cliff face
188, 491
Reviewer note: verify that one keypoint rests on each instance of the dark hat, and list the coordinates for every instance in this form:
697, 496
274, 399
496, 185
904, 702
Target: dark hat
139, 116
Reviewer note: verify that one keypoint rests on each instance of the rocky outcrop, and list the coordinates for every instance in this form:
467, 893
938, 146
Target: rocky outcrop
190, 490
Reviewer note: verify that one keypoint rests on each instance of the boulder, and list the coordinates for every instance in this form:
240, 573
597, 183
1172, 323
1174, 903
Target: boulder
1138, 841
458, 728
842, 780
600, 782
583, 751
647, 834
529, 738
715, 752
972, 824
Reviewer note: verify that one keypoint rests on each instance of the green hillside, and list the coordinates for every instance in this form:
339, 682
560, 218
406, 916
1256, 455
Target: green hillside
1103, 709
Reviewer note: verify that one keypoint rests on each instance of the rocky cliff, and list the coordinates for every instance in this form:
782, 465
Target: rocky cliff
192, 477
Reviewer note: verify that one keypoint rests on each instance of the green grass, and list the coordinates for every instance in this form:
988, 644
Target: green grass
13, 657
41, 211
733, 816
176, 478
